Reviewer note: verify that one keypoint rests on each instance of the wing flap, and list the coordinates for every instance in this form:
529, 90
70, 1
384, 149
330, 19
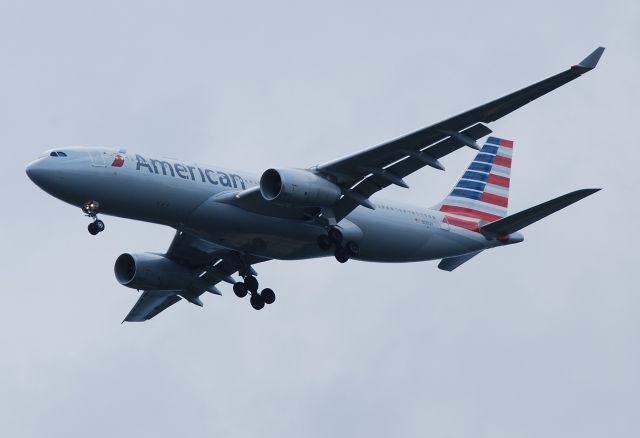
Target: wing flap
406, 166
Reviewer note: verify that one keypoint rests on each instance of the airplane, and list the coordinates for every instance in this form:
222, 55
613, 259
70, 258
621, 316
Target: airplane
228, 221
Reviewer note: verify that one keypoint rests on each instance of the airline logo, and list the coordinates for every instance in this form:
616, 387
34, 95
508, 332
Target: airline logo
118, 161
483, 191
193, 173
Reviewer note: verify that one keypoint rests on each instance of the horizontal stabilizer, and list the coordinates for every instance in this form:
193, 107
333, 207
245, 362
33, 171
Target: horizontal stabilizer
515, 222
451, 263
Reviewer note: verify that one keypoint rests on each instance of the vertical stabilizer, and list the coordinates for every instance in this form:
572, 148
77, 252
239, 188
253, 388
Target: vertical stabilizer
483, 191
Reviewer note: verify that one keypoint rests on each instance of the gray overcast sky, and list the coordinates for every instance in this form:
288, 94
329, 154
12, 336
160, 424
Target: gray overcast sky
538, 339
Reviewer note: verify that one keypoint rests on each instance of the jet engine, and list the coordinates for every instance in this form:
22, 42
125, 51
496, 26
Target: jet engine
151, 272
298, 188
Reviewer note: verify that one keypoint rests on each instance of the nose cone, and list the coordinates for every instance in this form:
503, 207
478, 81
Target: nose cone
42, 173
35, 171
30, 169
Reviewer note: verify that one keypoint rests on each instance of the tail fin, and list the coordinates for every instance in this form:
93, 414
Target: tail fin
483, 191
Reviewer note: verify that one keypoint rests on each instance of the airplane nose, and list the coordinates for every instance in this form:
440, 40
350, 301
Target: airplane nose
39, 172
32, 171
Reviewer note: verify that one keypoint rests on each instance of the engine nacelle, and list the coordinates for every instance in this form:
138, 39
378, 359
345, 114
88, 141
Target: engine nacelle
151, 272
298, 188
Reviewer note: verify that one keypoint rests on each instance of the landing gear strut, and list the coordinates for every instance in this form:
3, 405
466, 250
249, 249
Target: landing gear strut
334, 238
91, 209
250, 285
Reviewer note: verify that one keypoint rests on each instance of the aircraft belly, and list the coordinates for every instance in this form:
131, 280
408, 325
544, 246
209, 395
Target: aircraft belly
407, 239
381, 238
251, 233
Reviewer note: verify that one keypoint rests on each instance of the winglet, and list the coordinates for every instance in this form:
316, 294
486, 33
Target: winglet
590, 62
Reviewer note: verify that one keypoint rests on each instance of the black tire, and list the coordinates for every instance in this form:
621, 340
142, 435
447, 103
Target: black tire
324, 242
256, 301
341, 255
335, 235
251, 283
268, 295
240, 289
352, 248
93, 230
99, 225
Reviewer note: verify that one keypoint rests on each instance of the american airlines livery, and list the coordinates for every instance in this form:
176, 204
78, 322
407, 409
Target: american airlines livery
228, 221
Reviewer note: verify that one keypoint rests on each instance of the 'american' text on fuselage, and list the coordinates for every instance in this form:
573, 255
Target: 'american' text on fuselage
184, 171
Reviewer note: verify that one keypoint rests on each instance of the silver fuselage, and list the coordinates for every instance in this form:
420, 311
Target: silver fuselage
186, 196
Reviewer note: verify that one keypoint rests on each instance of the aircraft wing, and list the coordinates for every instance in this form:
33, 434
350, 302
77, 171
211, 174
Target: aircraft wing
370, 170
210, 263
150, 304
364, 173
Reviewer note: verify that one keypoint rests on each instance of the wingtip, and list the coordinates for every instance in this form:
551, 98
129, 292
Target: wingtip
591, 61
587, 192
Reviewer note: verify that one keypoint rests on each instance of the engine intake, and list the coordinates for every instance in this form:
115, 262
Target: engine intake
298, 188
151, 272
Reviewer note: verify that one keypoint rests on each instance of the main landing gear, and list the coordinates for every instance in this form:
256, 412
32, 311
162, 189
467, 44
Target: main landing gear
334, 238
250, 285
91, 209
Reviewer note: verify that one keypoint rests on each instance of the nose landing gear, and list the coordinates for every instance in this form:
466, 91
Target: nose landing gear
96, 227
91, 209
334, 238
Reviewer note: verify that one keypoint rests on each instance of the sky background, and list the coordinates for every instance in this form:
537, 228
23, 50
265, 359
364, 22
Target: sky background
536, 339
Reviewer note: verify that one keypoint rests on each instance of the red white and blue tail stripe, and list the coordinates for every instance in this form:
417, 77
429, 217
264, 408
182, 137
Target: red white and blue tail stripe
483, 191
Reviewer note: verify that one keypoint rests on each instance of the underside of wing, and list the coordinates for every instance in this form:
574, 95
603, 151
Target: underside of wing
201, 264
193, 251
150, 304
451, 263
413, 161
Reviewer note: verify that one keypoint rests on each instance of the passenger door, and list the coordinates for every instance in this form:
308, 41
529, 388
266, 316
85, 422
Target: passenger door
97, 159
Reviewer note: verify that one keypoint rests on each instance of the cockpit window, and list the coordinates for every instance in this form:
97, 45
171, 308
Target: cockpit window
58, 154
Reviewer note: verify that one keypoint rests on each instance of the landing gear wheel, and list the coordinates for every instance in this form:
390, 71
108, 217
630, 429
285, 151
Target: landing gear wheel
352, 248
268, 295
342, 255
251, 283
93, 230
91, 209
257, 302
240, 289
335, 235
324, 242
